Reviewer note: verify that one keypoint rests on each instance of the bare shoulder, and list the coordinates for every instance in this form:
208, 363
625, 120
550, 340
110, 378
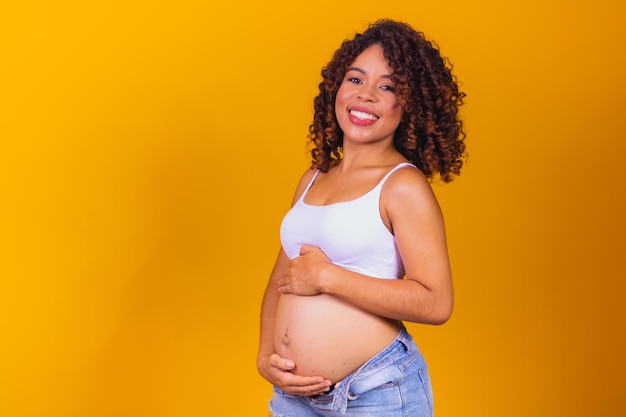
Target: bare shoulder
306, 177
408, 189
407, 180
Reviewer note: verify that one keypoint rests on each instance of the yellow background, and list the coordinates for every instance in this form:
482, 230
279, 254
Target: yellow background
150, 149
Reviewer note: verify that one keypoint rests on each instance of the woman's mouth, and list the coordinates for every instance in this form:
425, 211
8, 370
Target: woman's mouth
361, 115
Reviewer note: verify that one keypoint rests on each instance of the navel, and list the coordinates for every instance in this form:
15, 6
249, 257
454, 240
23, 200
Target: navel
285, 338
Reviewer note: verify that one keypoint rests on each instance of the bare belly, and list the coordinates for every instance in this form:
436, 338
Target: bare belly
328, 337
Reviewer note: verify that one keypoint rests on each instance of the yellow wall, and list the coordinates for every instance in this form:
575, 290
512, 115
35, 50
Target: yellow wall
149, 151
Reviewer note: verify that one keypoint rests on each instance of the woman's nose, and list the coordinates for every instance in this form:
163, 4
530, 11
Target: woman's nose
367, 93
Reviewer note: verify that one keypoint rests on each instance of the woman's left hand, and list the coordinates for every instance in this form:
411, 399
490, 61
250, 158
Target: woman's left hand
304, 274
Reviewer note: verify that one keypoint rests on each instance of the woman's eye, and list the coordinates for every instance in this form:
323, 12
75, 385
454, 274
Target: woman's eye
354, 80
389, 88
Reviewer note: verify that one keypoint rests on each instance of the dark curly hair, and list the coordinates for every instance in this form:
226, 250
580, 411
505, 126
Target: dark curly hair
430, 134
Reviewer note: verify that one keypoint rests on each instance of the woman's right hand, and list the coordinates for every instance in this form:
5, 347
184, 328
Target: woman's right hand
277, 370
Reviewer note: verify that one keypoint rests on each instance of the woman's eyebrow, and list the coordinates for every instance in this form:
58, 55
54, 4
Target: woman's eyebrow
357, 69
362, 71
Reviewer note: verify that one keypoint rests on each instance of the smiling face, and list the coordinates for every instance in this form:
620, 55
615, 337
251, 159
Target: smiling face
367, 107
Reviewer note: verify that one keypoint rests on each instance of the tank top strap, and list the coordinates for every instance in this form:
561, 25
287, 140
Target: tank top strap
392, 170
309, 185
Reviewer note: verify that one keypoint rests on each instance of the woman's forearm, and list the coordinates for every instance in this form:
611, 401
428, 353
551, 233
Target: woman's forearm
398, 299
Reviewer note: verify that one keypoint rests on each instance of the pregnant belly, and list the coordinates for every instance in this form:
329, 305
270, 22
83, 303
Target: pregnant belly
326, 336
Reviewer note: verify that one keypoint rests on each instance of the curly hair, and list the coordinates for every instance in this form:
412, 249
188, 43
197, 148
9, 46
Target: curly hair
430, 134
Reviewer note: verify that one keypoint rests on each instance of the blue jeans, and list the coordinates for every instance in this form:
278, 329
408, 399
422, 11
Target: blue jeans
394, 383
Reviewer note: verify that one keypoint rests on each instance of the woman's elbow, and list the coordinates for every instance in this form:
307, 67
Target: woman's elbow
442, 316
441, 312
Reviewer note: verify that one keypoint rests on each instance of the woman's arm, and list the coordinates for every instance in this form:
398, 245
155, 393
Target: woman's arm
425, 296
271, 366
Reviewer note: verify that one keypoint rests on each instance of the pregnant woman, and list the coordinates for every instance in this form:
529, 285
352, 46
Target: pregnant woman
363, 246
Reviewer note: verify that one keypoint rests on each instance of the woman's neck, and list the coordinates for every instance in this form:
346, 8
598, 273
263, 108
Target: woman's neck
369, 155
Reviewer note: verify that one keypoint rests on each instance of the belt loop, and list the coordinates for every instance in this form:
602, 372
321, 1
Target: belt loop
406, 339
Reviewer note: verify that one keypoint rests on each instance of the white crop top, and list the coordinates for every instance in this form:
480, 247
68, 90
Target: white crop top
351, 233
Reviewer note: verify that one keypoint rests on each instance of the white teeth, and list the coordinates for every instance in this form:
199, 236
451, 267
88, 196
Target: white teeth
363, 116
